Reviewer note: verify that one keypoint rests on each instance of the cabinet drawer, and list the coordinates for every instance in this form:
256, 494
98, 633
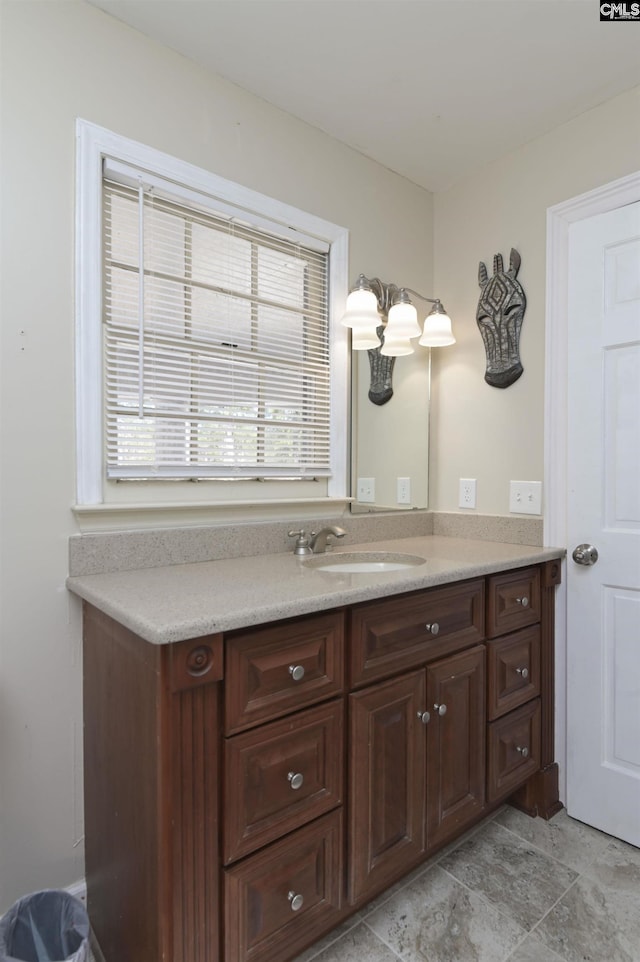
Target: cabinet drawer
280, 776
513, 671
513, 601
274, 670
399, 633
513, 750
279, 901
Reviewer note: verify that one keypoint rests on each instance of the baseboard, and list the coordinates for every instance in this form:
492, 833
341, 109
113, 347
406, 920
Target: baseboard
78, 890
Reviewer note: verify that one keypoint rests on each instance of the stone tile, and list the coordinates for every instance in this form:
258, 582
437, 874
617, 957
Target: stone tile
518, 879
436, 919
397, 887
357, 945
322, 944
533, 950
598, 918
573, 843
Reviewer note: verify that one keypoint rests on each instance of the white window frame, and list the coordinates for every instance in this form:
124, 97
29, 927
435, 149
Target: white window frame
93, 144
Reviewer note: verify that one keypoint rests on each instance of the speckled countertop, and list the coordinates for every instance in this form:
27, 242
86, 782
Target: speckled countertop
176, 602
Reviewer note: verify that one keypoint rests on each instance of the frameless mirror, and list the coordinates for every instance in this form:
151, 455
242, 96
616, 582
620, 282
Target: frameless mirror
390, 441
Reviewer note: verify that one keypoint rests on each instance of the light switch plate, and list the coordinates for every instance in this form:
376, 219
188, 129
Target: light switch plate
403, 490
525, 497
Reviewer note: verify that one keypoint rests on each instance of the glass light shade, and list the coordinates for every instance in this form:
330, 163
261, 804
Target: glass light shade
364, 338
396, 346
403, 321
437, 330
362, 310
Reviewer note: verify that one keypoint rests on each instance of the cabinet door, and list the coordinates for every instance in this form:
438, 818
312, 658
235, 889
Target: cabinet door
456, 743
387, 782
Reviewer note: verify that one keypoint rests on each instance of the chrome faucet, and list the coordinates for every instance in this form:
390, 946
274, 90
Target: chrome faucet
318, 542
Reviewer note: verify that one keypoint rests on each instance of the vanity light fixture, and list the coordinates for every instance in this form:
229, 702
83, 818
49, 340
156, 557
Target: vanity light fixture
384, 321
383, 316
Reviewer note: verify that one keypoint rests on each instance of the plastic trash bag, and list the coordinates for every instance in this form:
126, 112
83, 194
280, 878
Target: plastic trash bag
48, 926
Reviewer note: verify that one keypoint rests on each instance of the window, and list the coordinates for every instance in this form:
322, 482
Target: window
216, 354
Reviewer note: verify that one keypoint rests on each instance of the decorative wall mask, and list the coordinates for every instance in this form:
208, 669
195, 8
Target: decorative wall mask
381, 389
500, 313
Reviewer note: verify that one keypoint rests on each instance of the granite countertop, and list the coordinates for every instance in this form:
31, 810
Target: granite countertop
177, 602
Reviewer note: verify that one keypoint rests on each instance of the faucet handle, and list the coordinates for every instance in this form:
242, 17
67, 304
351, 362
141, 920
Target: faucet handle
301, 546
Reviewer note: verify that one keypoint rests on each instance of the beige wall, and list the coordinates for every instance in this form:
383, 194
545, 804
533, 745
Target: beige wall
496, 435
62, 60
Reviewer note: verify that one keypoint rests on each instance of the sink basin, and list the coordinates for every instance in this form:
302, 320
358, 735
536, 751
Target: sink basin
364, 562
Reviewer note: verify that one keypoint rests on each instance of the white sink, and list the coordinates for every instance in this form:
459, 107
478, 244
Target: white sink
364, 562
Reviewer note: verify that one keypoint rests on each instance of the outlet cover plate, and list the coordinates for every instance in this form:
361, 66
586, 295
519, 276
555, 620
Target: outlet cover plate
367, 490
525, 497
467, 498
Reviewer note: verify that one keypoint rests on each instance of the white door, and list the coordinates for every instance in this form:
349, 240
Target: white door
603, 473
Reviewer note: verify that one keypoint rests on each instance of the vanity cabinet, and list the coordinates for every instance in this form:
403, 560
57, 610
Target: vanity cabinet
245, 793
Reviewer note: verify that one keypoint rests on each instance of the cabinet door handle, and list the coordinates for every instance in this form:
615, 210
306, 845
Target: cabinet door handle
523, 671
296, 672
424, 717
295, 780
524, 751
441, 709
524, 601
433, 628
296, 901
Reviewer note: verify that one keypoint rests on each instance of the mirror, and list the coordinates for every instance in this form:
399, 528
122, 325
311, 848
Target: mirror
390, 441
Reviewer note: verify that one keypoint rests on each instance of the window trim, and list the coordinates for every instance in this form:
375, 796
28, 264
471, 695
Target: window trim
93, 144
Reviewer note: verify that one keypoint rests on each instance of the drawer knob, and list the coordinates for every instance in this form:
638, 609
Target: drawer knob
524, 751
424, 717
296, 672
441, 709
297, 901
295, 780
433, 628
523, 671
524, 601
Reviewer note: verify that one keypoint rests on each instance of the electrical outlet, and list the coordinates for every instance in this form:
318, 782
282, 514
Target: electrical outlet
467, 497
403, 490
367, 490
525, 497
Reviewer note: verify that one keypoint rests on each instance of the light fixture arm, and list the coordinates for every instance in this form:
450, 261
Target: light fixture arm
389, 294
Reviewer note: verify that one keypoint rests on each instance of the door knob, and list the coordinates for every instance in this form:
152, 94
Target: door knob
585, 554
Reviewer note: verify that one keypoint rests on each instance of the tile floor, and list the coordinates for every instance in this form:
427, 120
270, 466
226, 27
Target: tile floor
514, 889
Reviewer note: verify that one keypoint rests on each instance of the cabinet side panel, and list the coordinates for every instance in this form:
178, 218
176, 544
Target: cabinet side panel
195, 728
122, 705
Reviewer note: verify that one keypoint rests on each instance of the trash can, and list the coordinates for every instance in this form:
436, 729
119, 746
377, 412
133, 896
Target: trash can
48, 926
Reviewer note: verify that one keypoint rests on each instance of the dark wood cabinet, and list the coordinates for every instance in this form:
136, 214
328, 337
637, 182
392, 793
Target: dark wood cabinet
245, 793
387, 769
455, 744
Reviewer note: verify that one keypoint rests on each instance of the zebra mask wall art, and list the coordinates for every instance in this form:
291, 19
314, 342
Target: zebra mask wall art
499, 316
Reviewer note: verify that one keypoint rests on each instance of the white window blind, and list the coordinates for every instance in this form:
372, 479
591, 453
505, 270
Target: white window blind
216, 342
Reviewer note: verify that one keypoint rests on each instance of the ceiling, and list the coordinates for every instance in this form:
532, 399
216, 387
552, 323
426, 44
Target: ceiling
432, 89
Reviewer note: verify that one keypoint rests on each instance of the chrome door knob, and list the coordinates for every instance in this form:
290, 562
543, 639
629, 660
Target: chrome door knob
433, 628
424, 717
523, 671
296, 672
585, 554
441, 709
